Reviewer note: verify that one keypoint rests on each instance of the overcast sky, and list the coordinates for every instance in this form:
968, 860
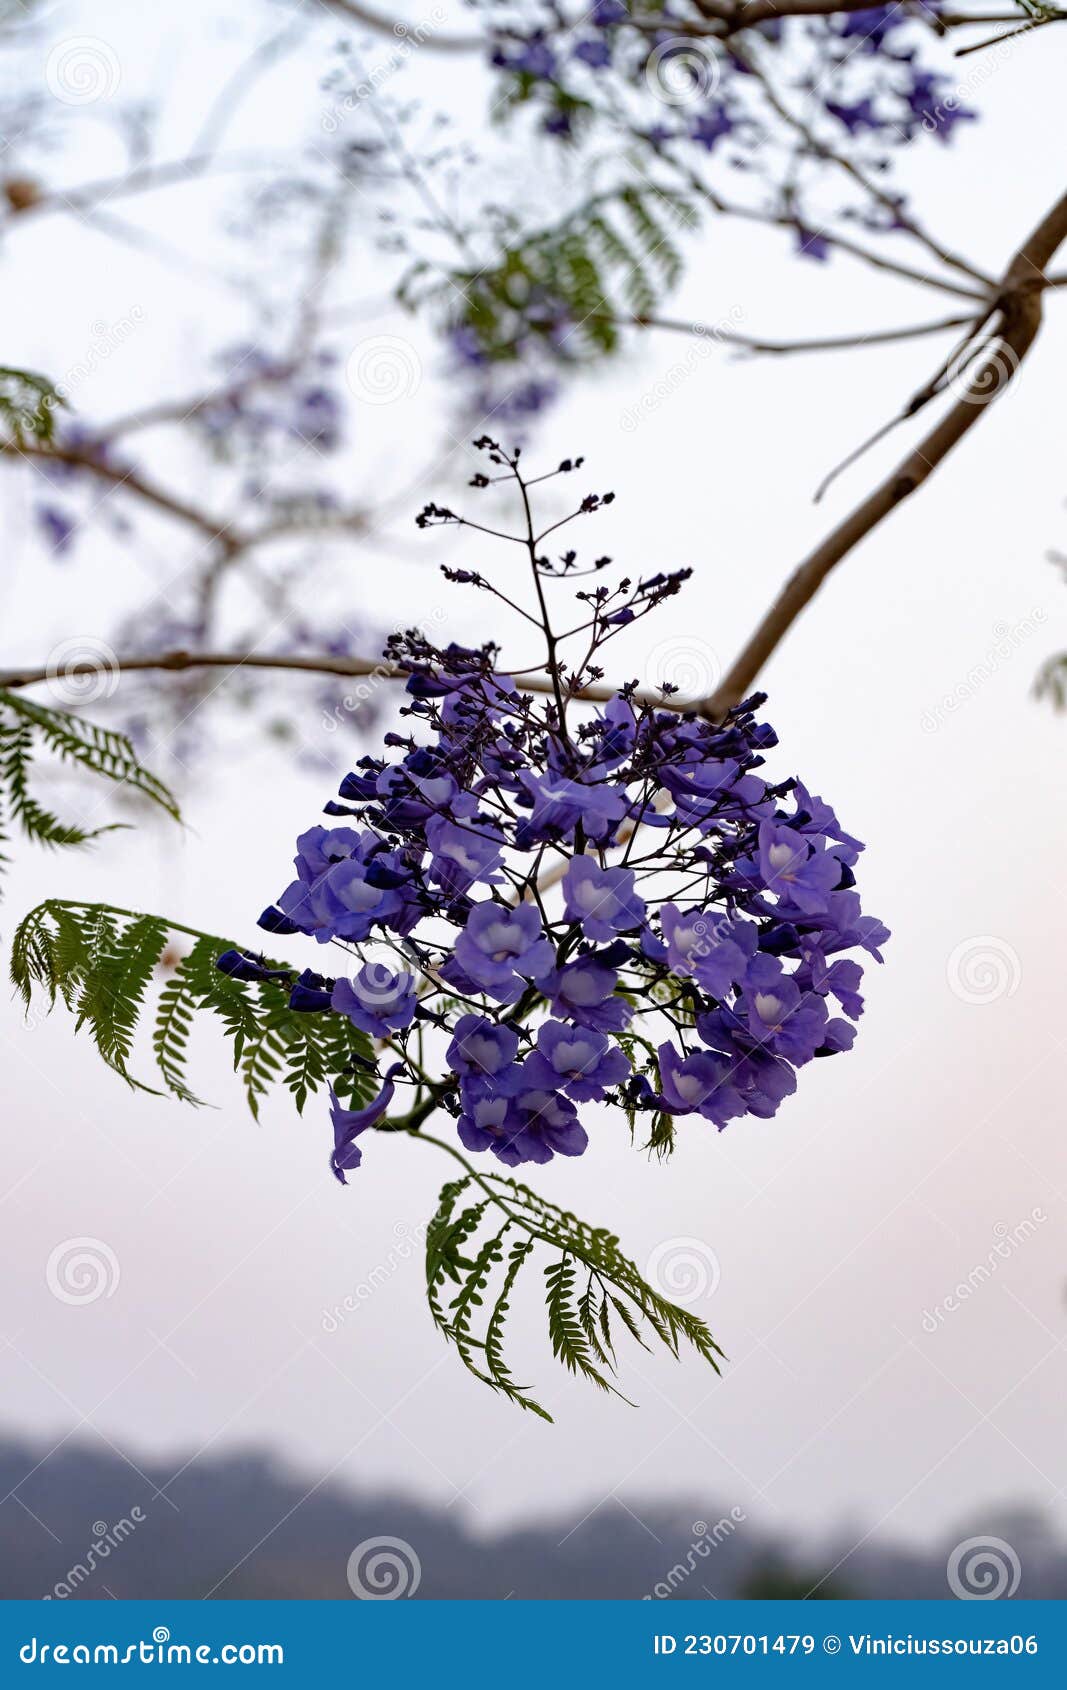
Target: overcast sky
852, 1393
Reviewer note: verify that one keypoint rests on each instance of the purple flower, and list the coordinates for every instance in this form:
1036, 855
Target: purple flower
59, 528
596, 54
711, 127
558, 804
377, 1000
481, 1047
343, 903
857, 117
483, 1125
349, 1123
811, 244
842, 979
708, 945
577, 1060
702, 1082
788, 1022
801, 875
583, 992
462, 854
239, 966
311, 993
499, 948
532, 1125
603, 900
762, 1080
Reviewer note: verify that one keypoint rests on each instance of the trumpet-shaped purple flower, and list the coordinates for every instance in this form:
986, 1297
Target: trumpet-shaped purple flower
603, 901
708, 945
789, 1022
311, 993
700, 1083
525, 1123
240, 966
577, 1060
583, 992
481, 1047
377, 1000
558, 804
462, 853
792, 867
348, 1124
501, 948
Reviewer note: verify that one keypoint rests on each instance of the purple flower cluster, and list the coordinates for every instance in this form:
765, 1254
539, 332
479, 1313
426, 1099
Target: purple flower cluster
549, 905
737, 978
859, 69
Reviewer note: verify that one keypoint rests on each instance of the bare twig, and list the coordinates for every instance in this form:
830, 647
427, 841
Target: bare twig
752, 343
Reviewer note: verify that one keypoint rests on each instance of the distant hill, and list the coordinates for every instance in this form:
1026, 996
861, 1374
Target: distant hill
82, 1523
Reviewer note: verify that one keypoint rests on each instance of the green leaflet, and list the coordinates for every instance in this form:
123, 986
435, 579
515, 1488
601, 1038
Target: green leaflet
613, 257
102, 962
28, 404
486, 1229
25, 728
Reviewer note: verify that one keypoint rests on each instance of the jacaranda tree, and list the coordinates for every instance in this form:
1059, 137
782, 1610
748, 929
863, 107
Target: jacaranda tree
555, 900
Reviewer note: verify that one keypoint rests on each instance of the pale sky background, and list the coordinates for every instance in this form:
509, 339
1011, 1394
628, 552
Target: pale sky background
889, 1177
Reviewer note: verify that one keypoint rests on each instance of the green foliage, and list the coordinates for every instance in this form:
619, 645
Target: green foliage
1051, 682
27, 727
484, 1233
101, 961
613, 258
105, 965
28, 404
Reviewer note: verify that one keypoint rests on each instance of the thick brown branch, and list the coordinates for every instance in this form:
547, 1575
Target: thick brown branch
1021, 299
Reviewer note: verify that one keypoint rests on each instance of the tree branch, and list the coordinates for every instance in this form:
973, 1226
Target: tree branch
751, 343
538, 680
399, 31
1020, 305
